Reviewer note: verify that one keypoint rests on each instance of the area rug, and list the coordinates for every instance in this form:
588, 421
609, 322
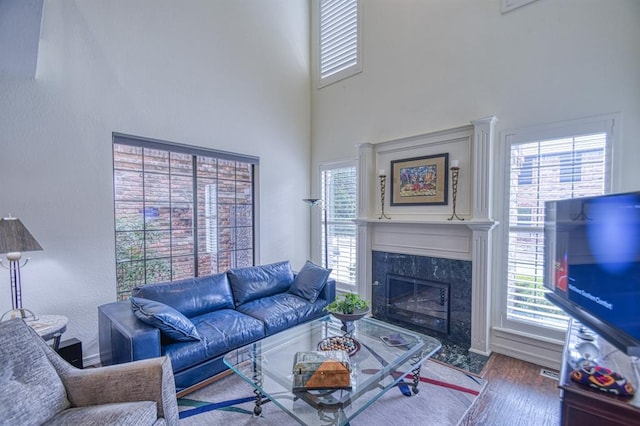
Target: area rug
445, 396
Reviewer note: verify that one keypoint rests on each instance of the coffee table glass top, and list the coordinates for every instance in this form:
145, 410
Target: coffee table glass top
376, 367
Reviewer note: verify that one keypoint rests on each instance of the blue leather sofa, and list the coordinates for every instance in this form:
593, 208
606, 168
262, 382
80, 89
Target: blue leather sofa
227, 310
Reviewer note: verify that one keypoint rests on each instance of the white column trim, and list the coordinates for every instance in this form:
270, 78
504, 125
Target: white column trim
366, 196
481, 288
483, 134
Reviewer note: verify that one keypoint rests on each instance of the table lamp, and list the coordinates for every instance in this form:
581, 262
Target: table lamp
14, 239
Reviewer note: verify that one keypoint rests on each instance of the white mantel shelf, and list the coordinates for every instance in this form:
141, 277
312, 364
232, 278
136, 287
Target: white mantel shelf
471, 224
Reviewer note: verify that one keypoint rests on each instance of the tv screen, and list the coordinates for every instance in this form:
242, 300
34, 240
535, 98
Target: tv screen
592, 261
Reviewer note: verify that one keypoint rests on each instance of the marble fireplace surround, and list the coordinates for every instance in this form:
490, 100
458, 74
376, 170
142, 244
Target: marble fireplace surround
403, 282
426, 230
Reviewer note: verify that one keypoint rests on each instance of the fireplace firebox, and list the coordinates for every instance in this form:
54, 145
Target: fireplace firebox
419, 302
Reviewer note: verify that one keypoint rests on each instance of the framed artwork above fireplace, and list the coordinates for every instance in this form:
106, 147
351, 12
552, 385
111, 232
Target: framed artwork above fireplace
420, 180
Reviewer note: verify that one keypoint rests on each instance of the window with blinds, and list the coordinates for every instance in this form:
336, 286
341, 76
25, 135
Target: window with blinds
180, 212
339, 40
338, 229
540, 171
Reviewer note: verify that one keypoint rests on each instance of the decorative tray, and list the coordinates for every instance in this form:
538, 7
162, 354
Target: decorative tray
339, 343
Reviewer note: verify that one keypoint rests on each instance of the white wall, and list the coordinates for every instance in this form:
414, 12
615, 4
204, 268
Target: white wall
438, 64
228, 75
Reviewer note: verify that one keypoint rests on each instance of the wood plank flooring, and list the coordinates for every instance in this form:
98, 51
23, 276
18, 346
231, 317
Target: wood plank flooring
516, 395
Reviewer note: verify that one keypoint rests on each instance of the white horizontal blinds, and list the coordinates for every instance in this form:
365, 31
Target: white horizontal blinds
543, 171
179, 214
339, 189
225, 214
339, 42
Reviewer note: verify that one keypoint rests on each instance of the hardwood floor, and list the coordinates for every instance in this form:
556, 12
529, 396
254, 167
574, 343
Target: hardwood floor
516, 395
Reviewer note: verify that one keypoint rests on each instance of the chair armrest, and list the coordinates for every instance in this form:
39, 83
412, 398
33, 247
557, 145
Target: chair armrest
123, 337
146, 380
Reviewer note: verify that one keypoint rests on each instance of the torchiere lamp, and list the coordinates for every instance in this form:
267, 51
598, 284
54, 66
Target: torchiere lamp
317, 202
14, 239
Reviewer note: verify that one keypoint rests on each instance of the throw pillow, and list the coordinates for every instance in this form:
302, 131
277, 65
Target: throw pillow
171, 323
255, 282
310, 281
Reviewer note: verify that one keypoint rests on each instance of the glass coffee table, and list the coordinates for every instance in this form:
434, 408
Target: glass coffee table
376, 367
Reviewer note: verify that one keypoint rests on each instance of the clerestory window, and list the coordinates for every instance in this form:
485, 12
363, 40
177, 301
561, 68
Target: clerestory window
339, 40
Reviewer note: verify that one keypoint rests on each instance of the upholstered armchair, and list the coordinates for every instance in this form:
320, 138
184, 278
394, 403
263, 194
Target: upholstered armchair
38, 387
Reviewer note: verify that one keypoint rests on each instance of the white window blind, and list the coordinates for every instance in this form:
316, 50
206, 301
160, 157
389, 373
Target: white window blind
540, 171
339, 247
339, 39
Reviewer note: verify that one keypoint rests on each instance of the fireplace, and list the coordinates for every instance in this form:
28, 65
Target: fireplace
420, 302
430, 295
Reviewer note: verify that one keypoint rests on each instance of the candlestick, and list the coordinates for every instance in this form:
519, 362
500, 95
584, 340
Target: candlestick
455, 170
383, 185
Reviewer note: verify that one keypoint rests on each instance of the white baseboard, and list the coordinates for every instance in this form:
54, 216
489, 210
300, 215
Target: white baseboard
543, 352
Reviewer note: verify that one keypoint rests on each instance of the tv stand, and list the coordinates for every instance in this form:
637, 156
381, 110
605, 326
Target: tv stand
581, 405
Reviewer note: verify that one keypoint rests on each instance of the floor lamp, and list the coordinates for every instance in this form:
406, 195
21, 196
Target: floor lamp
317, 202
14, 239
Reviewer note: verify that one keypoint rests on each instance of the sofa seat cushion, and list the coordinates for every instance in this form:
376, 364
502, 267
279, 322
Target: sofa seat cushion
123, 413
220, 331
260, 281
282, 311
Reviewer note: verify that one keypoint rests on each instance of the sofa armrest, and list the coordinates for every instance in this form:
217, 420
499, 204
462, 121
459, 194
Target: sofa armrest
146, 380
123, 337
328, 292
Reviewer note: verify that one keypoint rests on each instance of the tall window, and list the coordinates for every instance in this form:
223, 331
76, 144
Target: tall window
338, 229
545, 167
179, 212
339, 40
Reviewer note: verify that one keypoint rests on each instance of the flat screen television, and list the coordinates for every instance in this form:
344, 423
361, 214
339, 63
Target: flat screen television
592, 264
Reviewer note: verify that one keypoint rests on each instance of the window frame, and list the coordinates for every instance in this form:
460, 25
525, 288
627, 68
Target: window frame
340, 285
600, 124
347, 71
199, 241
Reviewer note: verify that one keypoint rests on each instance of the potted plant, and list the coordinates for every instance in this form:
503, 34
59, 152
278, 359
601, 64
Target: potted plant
348, 308
349, 303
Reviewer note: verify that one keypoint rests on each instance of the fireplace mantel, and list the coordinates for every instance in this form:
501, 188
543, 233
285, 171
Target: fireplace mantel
425, 230
473, 224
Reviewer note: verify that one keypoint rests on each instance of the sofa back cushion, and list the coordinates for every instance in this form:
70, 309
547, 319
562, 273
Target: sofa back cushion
191, 296
260, 281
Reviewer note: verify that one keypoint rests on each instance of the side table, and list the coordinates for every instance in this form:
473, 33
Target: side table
50, 327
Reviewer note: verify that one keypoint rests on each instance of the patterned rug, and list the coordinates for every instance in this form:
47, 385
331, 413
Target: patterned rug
445, 396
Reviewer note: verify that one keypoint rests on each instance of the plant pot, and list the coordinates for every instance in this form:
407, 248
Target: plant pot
348, 319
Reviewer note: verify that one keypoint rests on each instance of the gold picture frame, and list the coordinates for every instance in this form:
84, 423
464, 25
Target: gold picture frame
420, 181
